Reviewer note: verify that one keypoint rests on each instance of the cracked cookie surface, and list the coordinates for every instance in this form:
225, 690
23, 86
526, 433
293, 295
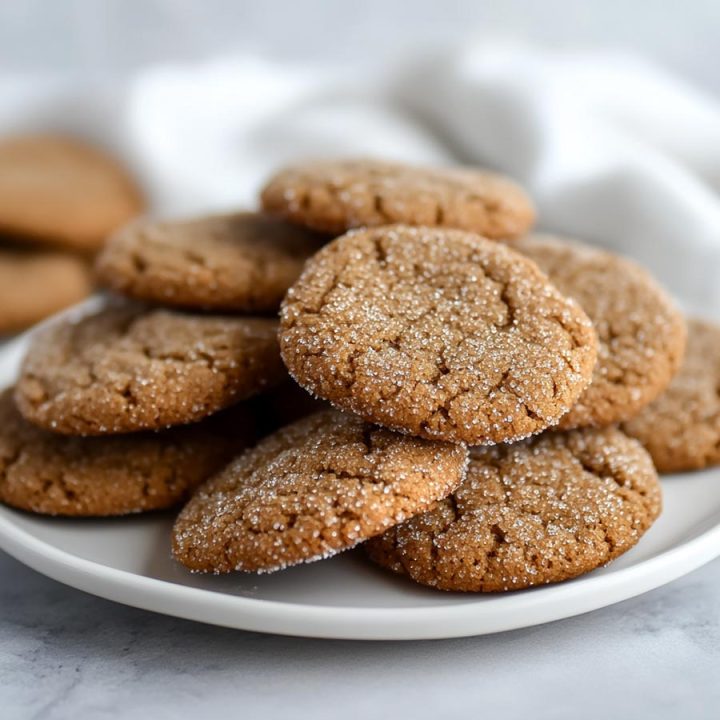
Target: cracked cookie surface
681, 428
34, 285
51, 474
63, 192
437, 333
641, 334
335, 196
127, 368
243, 262
541, 511
310, 490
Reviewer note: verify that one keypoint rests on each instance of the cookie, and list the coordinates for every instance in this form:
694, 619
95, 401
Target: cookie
438, 333
97, 477
641, 334
34, 285
126, 369
681, 429
338, 195
243, 262
63, 192
310, 490
537, 512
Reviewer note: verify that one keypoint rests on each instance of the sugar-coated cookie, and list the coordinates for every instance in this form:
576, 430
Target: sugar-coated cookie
51, 474
437, 333
681, 429
241, 262
127, 368
338, 195
641, 334
541, 511
312, 489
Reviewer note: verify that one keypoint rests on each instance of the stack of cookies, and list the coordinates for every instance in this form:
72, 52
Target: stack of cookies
479, 407
59, 199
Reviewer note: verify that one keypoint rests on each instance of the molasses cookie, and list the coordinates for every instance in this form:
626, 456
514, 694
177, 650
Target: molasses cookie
310, 490
126, 368
438, 333
56, 475
243, 262
338, 195
641, 334
541, 511
681, 429
34, 285
63, 192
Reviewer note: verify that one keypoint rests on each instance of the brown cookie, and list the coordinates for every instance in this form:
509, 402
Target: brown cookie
310, 490
242, 262
438, 333
536, 512
126, 369
681, 429
63, 192
34, 285
641, 334
55, 475
338, 195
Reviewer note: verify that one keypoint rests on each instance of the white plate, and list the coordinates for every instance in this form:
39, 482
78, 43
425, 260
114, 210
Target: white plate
128, 560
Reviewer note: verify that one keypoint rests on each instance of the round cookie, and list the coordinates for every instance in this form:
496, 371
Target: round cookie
338, 195
63, 192
641, 334
34, 285
310, 490
439, 333
536, 512
94, 477
243, 262
681, 428
125, 369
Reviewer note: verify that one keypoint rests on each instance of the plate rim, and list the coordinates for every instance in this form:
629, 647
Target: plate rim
543, 604
530, 607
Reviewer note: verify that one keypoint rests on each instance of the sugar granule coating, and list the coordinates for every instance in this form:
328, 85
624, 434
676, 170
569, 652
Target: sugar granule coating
126, 368
243, 262
438, 333
681, 428
641, 334
338, 195
52, 474
310, 490
63, 192
35, 284
541, 511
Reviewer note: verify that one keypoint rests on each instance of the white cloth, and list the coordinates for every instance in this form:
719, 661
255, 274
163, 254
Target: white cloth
613, 150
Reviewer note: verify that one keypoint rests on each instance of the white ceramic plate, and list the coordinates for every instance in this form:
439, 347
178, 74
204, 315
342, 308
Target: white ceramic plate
128, 560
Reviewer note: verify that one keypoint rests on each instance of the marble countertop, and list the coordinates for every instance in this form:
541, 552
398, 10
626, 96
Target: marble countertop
65, 654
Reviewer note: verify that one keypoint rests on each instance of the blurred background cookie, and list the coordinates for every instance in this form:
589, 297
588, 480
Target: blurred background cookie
34, 285
63, 192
